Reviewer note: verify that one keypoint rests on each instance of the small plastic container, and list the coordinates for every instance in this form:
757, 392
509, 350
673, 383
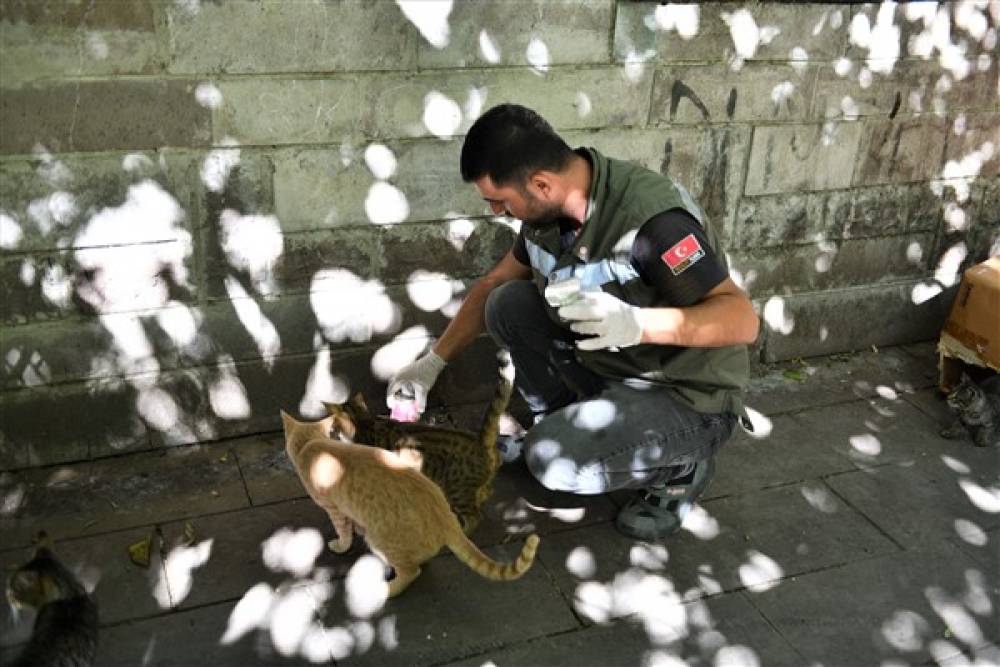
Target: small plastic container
563, 293
404, 407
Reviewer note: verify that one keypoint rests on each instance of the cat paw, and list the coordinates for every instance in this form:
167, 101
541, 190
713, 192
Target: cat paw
953, 432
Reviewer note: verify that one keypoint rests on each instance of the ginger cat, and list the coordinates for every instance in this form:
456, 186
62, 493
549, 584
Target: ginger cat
403, 515
463, 463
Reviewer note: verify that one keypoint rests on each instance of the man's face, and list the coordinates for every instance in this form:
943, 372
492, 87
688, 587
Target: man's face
518, 202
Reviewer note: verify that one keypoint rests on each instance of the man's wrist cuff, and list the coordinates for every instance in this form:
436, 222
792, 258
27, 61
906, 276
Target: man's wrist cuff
436, 361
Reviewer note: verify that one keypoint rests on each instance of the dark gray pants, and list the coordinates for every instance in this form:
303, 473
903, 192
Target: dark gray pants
596, 434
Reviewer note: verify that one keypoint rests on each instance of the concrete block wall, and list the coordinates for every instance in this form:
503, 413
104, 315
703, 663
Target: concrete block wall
213, 210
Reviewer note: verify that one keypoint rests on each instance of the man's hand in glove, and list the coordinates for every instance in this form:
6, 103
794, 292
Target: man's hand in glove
613, 322
421, 375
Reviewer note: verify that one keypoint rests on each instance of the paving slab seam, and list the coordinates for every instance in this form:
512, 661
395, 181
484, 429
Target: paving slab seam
503, 647
137, 526
774, 627
857, 511
562, 594
745, 590
171, 612
140, 619
813, 406
136, 452
709, 498
243, 479
923, 410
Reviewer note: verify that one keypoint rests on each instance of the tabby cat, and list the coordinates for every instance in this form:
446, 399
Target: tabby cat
978, 410
65, 631
461, 462
402, 514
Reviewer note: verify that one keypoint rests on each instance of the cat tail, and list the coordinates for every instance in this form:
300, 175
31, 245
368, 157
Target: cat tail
491, 422
483, 565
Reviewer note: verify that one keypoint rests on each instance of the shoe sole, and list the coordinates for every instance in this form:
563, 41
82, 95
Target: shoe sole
683, 510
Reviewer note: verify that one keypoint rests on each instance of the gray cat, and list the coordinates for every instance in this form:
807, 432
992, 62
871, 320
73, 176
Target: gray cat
65, 632
977, 409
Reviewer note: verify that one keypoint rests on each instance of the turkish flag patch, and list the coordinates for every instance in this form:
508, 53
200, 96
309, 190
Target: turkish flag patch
683, 254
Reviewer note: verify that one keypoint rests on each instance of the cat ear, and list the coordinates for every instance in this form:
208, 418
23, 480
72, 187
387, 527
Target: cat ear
24, 580
287, 422
42, 540
326, 425
358, 401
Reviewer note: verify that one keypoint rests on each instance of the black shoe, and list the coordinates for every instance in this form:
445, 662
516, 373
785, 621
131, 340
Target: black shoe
659, 511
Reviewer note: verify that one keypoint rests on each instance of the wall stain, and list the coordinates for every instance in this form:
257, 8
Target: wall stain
895, 105
668, 150
681, 89
714, 178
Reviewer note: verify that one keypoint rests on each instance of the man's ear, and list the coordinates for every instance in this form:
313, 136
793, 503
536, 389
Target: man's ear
541, 184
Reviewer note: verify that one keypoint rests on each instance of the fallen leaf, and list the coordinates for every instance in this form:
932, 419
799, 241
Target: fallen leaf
188, 533
224, 458
796, 375
138, 552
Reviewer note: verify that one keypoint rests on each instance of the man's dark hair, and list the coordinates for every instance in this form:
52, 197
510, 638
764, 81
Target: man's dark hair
508, 143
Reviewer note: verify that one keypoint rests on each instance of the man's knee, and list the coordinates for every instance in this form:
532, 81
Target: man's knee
503, 304
556, 471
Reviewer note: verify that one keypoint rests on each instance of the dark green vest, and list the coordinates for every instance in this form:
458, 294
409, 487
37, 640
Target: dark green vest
623, 196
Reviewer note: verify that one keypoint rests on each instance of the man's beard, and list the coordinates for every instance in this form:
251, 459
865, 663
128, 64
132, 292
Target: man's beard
541, 216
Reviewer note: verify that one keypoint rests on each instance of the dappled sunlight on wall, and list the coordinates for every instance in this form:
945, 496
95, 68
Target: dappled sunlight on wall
350, 309
680, 17
747, 35
263, 332
123, 260
776, 317
403, 349
226, 393
322, 385
954, 188
538, 55
431, 290
881, 40
442, 115
430, 17
252, 244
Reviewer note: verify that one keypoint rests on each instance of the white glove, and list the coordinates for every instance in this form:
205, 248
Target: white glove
420, 375
613, 322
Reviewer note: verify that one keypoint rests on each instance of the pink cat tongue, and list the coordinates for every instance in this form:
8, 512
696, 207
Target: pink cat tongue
405, 411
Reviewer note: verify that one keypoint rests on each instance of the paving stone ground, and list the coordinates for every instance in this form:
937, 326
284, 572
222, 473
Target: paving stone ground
844, 531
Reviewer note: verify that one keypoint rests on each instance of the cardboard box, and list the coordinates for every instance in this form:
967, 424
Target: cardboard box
971, 334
